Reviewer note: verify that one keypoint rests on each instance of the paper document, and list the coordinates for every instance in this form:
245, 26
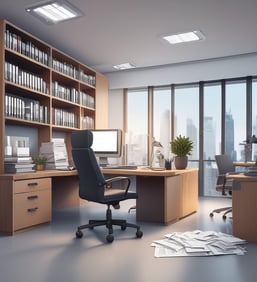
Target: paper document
198, 243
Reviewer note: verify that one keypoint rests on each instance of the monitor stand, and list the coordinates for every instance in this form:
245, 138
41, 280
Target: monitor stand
103, 161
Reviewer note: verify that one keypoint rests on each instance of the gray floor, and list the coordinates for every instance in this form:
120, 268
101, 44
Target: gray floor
50, 253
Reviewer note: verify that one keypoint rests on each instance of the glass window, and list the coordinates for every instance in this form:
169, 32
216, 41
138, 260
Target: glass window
137, 127
235, 120
254, 117
211, 136
187, 115
162, 117
212, 121
185, 112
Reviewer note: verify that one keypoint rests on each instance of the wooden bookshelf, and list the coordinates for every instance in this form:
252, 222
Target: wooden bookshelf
46, 91
44, 88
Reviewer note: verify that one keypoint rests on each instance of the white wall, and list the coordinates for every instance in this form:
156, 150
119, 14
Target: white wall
230, 67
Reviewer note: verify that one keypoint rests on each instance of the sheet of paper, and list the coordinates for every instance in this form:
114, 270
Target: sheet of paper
198, 243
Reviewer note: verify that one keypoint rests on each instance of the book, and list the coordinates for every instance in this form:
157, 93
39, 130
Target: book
18, 170
18, 160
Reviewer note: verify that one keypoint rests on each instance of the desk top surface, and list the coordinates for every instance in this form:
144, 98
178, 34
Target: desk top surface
242, 177
144, 171
57, 173
244, 164
38, 174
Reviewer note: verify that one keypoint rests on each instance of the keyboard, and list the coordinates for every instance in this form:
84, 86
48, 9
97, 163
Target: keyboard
121, 166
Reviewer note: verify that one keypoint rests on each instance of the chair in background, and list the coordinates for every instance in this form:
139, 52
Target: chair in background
224, 165
94, 187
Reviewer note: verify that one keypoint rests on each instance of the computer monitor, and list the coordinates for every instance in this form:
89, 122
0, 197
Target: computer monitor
107, 143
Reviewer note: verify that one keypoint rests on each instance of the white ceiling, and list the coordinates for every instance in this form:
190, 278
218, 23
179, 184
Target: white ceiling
119, 31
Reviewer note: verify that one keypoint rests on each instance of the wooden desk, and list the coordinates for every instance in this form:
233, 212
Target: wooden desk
163, 196
244, 205
26, 199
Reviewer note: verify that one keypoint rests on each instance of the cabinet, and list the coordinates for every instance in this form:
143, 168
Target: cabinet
166, 198
24, 203
43, 88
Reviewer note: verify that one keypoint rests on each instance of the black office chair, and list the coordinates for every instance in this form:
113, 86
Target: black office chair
223, 185
94, 187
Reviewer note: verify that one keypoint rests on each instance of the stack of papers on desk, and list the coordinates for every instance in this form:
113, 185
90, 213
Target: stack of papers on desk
55, 153
198, 243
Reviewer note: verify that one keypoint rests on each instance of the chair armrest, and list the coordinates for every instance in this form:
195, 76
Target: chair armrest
113, 180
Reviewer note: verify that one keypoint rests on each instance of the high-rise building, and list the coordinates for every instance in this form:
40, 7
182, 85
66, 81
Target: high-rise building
229, 137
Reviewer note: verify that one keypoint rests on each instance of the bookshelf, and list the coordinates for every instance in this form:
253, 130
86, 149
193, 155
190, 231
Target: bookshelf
44, 93
43, 88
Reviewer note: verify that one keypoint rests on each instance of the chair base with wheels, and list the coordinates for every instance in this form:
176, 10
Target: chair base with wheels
223, 185
133, 208
226, 210
108, 222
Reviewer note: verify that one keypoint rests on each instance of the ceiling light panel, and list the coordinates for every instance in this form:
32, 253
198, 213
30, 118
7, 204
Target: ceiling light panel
184, 37
124, 66
52, 12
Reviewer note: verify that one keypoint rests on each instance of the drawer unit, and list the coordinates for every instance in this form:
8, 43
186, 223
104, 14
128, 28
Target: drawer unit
31, 208
32, 203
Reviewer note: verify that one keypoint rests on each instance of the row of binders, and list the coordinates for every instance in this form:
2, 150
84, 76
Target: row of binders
24, 108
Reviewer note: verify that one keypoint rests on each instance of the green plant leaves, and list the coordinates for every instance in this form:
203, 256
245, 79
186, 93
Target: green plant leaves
181, 146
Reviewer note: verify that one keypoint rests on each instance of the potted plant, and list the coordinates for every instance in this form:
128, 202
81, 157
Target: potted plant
40, 162
181, 146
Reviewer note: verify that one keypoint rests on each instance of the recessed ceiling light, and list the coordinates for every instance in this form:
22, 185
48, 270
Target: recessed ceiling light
184, 37
124, 66
52, 12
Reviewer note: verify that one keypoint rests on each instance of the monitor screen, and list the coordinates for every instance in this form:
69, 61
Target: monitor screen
107, 143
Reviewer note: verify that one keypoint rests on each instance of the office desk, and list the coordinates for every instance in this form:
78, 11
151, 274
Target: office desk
163, 196
27, 199
244, 205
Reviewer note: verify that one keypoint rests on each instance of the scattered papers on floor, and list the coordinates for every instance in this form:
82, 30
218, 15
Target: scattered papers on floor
198, 243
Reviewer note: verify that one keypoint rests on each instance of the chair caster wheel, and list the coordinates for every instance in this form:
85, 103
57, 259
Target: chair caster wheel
211, 214
109, 238
224, 217
79, 234
139, 234
123, 227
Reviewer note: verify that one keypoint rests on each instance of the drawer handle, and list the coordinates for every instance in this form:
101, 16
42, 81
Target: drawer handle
32, 184
32, 197
32, 209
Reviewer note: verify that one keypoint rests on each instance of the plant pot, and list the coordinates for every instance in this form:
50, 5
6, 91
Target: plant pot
40, 166
180, 162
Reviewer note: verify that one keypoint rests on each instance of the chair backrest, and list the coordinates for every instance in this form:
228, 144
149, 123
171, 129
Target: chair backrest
91, 179
224, 164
